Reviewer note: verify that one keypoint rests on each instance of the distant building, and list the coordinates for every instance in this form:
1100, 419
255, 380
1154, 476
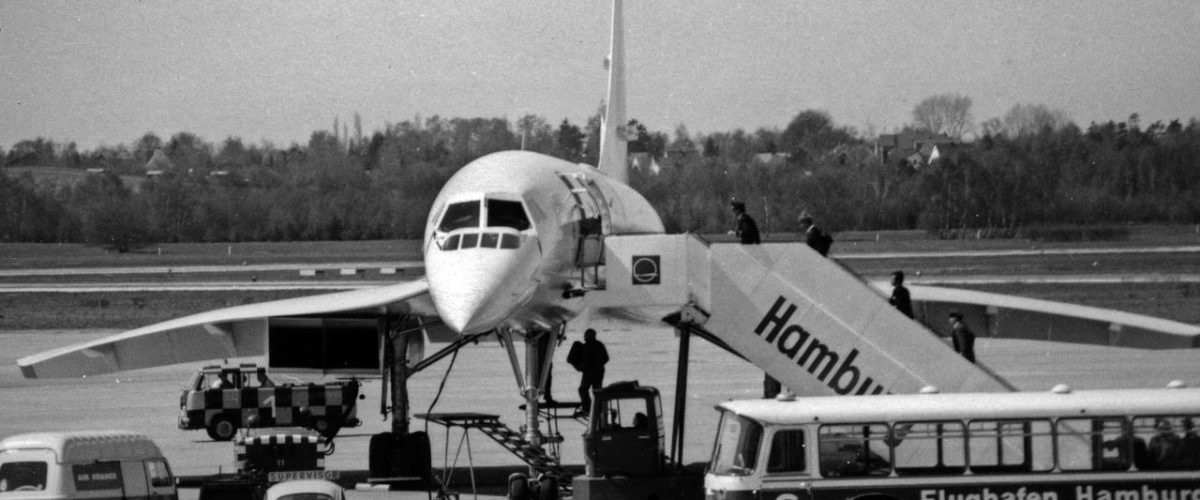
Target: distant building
771, 159
915, 149
644, 162
158, 163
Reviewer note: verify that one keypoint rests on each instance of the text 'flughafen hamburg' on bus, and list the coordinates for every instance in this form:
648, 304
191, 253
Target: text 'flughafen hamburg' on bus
1129, 444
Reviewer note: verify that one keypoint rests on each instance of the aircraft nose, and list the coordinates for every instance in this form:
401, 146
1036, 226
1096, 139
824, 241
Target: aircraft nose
475, 289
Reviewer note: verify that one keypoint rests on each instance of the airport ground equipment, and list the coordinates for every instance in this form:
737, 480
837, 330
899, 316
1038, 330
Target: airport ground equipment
223, 399
543, 465
265, 459
84, 465
802, 318
625, 446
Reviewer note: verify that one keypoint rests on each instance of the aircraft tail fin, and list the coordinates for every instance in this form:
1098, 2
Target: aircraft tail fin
614, 152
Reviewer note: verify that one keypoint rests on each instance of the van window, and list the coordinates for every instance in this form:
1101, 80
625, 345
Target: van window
159, 473
460, 215
22, 476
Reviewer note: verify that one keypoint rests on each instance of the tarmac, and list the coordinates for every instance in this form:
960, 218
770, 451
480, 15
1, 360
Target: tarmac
481, 380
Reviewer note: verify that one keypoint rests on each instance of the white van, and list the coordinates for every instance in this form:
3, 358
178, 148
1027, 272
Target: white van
82, 465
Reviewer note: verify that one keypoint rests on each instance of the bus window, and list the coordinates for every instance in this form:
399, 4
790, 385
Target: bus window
1011, 446
929, 448
854, 450
504, 213
460, 215
1096, 444
1172, 442
787, 452
736, 451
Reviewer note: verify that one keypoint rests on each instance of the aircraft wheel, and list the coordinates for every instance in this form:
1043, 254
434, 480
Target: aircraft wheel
549, 489
379, 454
221, 428
518, 486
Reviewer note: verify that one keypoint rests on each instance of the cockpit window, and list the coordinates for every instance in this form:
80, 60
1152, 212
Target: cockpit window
460, 215
504, 213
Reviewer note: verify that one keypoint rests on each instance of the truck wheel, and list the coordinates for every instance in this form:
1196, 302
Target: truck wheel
221, 428
325, 428
518, 486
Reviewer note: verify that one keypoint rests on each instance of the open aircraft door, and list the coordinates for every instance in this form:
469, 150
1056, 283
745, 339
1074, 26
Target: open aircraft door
594, 220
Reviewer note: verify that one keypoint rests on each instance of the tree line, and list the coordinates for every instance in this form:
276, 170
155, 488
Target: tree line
1032, 167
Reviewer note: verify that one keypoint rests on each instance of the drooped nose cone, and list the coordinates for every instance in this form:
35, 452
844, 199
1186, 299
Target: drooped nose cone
477, 288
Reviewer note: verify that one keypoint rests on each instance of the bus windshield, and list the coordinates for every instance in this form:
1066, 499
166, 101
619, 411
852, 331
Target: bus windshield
736, 451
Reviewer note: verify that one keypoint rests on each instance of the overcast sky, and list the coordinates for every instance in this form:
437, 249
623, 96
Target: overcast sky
107, 72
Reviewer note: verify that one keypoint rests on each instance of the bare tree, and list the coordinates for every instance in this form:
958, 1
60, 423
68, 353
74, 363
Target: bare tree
1029, 119
948, 114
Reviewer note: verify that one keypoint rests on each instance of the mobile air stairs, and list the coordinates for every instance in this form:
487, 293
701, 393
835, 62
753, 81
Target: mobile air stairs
803, 319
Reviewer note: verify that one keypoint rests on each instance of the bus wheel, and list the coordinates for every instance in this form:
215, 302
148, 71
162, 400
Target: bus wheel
518, 486
221, 428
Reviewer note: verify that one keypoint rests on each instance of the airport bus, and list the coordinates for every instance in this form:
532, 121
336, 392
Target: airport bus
1055, 445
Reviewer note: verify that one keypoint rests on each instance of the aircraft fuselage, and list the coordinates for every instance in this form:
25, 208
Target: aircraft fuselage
511, 235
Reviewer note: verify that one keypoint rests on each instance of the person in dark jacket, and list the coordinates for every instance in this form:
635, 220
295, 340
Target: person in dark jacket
593, 357
900, 297
816, 238
963, 337
747, 230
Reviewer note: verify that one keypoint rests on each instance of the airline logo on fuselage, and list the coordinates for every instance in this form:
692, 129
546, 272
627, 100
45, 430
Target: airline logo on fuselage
835, 369
646, 270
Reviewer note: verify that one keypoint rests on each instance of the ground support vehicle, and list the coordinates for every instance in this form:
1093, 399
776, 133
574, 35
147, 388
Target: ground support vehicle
624, 446
305, 489
263, 460
1127, 444
223, 399
84, 465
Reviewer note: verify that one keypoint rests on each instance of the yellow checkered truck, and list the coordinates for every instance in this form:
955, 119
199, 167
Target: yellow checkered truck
223, 399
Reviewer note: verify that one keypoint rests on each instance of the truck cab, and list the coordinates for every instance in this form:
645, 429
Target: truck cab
624, 436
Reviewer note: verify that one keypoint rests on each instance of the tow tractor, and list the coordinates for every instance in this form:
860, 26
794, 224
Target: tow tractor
624, 446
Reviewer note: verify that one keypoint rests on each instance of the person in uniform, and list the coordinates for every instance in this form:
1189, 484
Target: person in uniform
816, 238
592, 358
900, 297
963, 337
747, 230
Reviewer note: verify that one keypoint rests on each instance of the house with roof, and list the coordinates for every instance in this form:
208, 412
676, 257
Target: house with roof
916, 149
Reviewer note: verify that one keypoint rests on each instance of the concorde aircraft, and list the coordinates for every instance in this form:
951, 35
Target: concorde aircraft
515, 246
507, 248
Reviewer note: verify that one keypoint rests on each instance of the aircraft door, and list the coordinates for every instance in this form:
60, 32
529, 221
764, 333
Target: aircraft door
594, 221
